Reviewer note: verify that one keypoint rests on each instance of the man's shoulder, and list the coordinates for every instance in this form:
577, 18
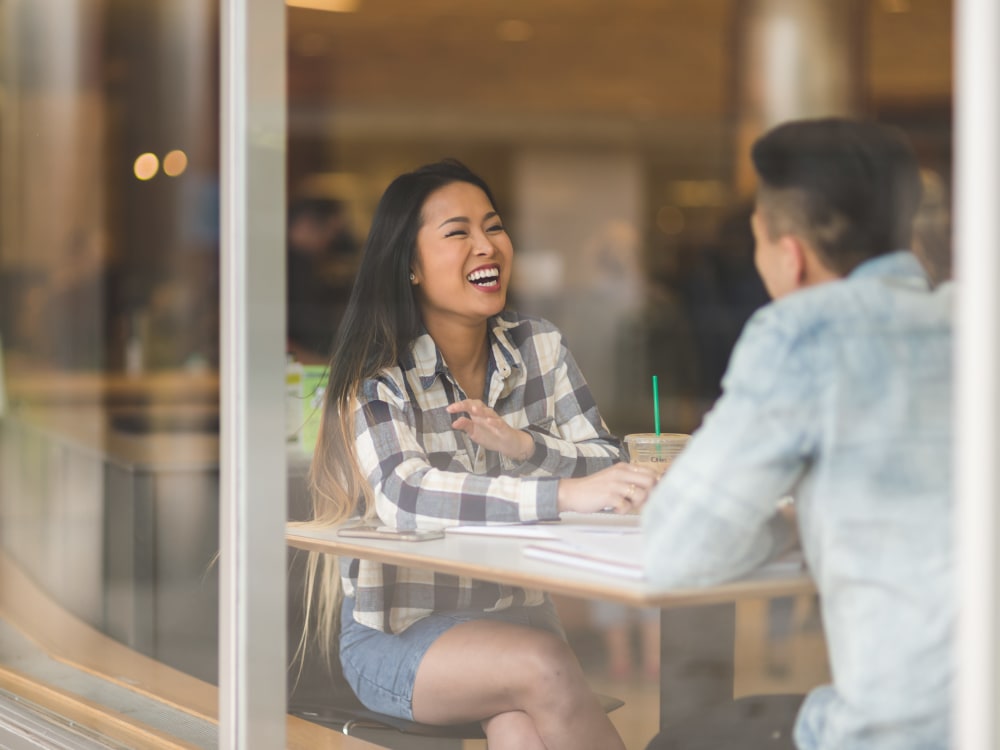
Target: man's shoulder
855, 305
796, 315
818, 305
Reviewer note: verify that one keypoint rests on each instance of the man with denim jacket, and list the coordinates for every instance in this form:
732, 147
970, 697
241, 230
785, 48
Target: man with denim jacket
839, 394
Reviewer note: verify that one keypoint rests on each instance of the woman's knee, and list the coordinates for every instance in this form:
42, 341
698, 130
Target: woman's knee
545, 660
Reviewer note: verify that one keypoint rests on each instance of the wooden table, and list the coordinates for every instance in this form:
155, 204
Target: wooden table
698, 624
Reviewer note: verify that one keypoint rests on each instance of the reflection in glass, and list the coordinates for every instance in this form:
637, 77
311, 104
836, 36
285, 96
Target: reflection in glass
108, 317
615, 139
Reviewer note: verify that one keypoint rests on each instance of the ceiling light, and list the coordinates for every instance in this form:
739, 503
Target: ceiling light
175, 163
146, 166
337, 6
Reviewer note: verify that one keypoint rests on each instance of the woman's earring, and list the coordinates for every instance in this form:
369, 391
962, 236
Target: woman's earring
413, 277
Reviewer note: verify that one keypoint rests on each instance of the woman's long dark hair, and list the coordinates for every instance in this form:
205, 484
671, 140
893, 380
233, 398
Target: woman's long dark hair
382, 319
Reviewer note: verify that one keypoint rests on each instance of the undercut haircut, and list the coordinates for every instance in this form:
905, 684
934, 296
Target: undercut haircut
849, 188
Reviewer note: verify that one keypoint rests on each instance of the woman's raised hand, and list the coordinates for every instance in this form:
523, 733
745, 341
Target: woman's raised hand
487, 428
622, 488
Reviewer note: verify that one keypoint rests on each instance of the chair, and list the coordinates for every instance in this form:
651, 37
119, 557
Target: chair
322, 695
752, 722
350, 718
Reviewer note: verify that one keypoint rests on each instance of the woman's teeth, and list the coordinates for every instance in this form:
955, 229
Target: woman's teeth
484, 276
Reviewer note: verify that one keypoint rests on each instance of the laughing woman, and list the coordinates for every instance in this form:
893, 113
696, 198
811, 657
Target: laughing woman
445, 408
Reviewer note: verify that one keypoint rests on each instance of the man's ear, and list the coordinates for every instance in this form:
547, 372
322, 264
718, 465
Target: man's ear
811, 269
794, 262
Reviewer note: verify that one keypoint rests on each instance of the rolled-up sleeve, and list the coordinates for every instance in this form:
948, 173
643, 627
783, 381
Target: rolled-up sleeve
576, 442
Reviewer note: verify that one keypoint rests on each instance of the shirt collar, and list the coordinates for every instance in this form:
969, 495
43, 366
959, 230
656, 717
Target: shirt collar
425, 359
900, 264
506, 356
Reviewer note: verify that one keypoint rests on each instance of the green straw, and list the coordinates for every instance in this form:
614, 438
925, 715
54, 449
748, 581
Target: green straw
656, 404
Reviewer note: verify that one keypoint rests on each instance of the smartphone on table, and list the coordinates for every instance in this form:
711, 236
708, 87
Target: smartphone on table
389, 535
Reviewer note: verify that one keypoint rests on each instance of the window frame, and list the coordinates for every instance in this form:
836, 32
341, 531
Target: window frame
252, 630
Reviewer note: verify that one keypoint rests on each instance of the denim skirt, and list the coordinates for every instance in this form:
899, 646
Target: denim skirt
381, 667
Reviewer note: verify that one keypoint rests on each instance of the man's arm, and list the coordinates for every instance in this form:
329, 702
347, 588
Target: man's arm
714, 516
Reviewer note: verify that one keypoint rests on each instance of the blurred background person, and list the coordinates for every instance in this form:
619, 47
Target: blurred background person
69, 316
602, 315
932, 228
321, 262
619, 625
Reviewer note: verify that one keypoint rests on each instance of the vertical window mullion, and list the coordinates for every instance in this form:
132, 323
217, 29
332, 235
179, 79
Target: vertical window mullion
253, 463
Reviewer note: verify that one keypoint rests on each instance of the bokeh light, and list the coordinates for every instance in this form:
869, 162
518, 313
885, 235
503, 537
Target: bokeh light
146, 166
174, 163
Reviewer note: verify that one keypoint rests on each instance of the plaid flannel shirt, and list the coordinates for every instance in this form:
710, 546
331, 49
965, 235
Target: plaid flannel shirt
428, 475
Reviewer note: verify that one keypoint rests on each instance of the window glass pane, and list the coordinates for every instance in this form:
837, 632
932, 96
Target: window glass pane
615, 138
109, 478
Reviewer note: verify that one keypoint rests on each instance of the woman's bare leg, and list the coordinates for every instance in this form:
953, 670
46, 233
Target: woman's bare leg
483, 669
514, 730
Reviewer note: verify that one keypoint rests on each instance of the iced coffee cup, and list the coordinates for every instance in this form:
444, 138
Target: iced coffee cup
655, 451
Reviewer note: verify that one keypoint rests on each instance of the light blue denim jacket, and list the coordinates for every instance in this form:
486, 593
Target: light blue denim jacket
839, 395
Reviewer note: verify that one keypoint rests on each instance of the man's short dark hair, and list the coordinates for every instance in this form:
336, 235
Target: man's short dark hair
850, 188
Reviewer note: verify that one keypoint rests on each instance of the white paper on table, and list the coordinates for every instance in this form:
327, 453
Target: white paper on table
618, 554
568, 523
519, 530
